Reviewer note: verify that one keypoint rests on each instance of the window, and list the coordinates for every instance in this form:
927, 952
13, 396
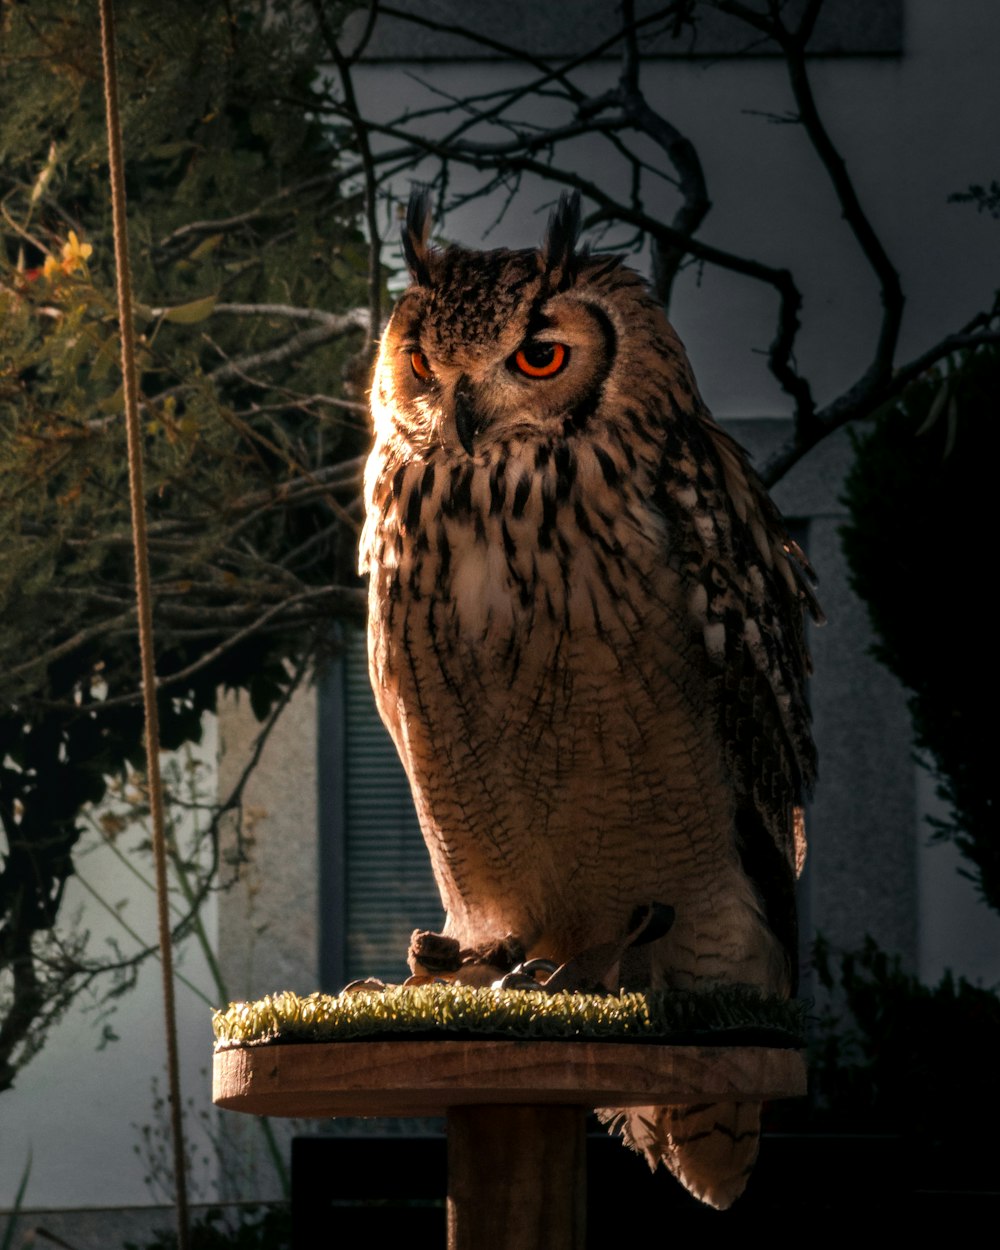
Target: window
376, 882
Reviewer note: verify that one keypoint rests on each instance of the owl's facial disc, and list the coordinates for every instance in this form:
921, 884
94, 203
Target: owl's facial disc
539, 377
537, 360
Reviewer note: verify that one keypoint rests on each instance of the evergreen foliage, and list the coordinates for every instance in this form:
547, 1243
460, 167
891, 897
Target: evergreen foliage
249, 280
919, 497
906, 1058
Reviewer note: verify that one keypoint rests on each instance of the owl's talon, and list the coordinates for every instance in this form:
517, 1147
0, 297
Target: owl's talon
516, 981
364, 983
522, 977
531, 966
650, 922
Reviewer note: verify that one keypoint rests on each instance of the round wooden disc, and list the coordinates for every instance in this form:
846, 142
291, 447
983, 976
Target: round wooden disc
396, 1078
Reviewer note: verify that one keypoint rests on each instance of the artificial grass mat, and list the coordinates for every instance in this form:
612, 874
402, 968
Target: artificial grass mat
725, 1015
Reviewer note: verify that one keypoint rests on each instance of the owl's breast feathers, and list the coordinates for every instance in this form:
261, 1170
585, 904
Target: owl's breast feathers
594, 647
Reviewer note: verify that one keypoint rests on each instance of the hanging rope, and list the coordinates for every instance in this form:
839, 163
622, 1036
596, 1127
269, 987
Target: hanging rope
143, 599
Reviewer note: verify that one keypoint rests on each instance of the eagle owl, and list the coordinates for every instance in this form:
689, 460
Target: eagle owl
586, 639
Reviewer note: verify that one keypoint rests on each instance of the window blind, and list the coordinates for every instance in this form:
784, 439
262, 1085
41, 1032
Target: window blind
389, 887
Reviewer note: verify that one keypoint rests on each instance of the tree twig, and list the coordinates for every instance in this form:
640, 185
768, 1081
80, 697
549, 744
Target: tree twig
361, 135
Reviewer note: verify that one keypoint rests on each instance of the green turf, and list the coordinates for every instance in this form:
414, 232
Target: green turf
728, 1013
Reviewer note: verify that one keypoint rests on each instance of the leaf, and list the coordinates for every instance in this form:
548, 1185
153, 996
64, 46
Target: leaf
264, 693
949, 444
8, 1237
207, 246
190, 314
105, 359
112, 824
114, 403
45, 177
166, 151
936, 408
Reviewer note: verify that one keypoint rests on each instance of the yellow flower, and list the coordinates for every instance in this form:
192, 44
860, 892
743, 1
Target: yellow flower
74, 259
74, 253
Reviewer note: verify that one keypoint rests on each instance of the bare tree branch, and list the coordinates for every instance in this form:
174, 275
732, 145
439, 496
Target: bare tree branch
361, 135
623, 110
335, 321
506, 158
679, 150
273, 206
332, 326
863, 397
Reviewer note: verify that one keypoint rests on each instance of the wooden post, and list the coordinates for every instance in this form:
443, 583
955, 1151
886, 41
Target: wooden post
516, 1177
516, 1110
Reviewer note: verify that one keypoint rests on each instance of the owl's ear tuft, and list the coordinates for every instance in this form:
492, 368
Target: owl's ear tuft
558, 253
415, 232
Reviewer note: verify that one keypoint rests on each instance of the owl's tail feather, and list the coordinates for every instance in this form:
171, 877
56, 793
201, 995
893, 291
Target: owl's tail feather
710, 1147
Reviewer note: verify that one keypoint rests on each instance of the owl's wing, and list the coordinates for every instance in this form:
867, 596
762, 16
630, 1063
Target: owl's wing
748, 586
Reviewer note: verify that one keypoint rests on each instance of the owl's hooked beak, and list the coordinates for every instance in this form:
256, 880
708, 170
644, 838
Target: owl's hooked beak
466, 416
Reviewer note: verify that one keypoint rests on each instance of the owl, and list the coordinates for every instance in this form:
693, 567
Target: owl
586, 638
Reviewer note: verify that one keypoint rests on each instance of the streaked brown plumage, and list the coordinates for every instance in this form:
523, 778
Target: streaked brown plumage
586, 637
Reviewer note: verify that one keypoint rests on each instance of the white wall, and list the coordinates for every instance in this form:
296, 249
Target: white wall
78, 1110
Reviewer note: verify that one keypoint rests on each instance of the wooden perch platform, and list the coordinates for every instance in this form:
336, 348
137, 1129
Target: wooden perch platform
420, 1078
515, 1109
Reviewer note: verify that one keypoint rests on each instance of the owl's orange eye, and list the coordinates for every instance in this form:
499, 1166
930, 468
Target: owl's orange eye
541, 360
420, 367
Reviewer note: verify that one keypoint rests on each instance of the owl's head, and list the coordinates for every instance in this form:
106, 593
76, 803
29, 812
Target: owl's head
488, 347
